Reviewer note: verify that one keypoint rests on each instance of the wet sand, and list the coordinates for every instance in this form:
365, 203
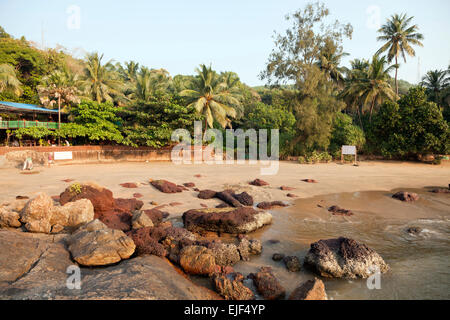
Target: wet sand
419, 263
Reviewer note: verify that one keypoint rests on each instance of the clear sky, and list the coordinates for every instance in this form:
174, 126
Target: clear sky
233, 35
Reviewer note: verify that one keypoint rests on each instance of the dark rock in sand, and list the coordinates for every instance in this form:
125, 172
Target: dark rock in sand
291, 195
228, 197
337, 211
441, 190
259, 183
129, 185
146, 241
189, 185
166, 186
226, 220
248, 247
269, 205
310, 290
244, 198
292, 263
196, 189
206, 194
137, 195
284, 188
406, 196
344, 258
278, 256
156, 215
231, 286
267, 285
22, 198
414, 230
309, 180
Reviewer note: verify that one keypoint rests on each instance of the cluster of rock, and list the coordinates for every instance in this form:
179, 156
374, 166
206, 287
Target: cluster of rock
338, 211
168, 187
229, 197
406, 196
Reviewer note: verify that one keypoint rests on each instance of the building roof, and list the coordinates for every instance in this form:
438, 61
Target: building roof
14, 106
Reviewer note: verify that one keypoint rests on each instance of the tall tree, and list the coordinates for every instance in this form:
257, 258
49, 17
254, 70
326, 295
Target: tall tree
8, 79
100, 83
435, 82
329, 62
209, 97
399, 37
149, 82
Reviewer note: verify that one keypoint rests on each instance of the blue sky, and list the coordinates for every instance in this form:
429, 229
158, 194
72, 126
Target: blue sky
232, 35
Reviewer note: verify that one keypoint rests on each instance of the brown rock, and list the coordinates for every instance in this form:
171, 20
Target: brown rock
310, 290
156, 215
206, 194
9, 219
292, 263
189, 185
441, 190
259, 183
291, 195
231, 286
147, 241
406, 196
137, 195
337, 211
244, 198
309, 180
269, 205
129, 185
141, 220
284, 188
166, 186
267, 285
22, 198
228, 197
197, 260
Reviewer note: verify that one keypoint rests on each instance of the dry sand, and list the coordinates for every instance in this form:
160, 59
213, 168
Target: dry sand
332, 178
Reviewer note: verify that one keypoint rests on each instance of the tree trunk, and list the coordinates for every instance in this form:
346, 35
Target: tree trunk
59, 119
371, 109
396, 74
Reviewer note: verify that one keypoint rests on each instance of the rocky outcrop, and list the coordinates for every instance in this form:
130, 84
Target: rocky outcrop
167, 186
41, 215
310, 290
228, 197
406, 196
231, 286
197, 260
225, 254
156, 215
266, 205
115, 213
226, 220
259, 183
34, 267
248, 247
94, 244
267, 285
206, 194
292, 263
9, 218
338, 211
344, 258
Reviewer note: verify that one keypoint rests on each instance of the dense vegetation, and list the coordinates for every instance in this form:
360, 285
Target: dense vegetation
316, 103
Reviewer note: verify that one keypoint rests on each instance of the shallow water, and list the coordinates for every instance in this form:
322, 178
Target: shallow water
419, 264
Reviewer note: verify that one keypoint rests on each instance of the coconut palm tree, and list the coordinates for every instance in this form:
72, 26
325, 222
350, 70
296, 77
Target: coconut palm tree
149, 82
8, 79
211, 97
128, 72
400, 37
435, 82
329, 63
100, 82
370, 86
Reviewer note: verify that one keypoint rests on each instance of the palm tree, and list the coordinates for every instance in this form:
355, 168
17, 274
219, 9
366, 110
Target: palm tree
211, 98
435, 82
370, 86
129, 72
8, 80
329, 63
100, 82
149, 82
400, 36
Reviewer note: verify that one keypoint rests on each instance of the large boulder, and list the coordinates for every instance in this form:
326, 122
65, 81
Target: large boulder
9, 218
406, 196
166, 186
267, 285
197, 260
226, 220
41, 215
344, 258
94, 244
310, 290
231, 286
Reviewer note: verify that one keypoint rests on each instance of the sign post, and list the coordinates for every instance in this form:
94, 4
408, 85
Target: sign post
349, 150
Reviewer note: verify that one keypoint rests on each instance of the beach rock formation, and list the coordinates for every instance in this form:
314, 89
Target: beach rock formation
231, 287
206, 194
167, 186
141, 220
34, 267
248, 247
310, 290
292, 263
156, 215
244, 198
406, 196
189, 185
338, 211
41, 215
94, 244
197, 260
267, 285
227, 196
441, 190
259, 183
278, 256
225, 254
226, 220
9, 219
266, 205
344, 258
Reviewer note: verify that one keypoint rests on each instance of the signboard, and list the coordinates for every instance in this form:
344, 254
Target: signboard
349, 150
67, 155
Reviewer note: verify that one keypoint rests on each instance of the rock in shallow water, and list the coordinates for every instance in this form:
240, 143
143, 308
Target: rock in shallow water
292, 263
267, 285
310, 290
226, 220
406, 196
344, 258
231, 286
197, 260
94, 244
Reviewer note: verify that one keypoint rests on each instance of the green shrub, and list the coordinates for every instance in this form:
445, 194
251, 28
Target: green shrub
345, 133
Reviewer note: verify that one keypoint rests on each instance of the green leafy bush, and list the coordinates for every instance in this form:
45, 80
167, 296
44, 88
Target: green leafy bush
345, 133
